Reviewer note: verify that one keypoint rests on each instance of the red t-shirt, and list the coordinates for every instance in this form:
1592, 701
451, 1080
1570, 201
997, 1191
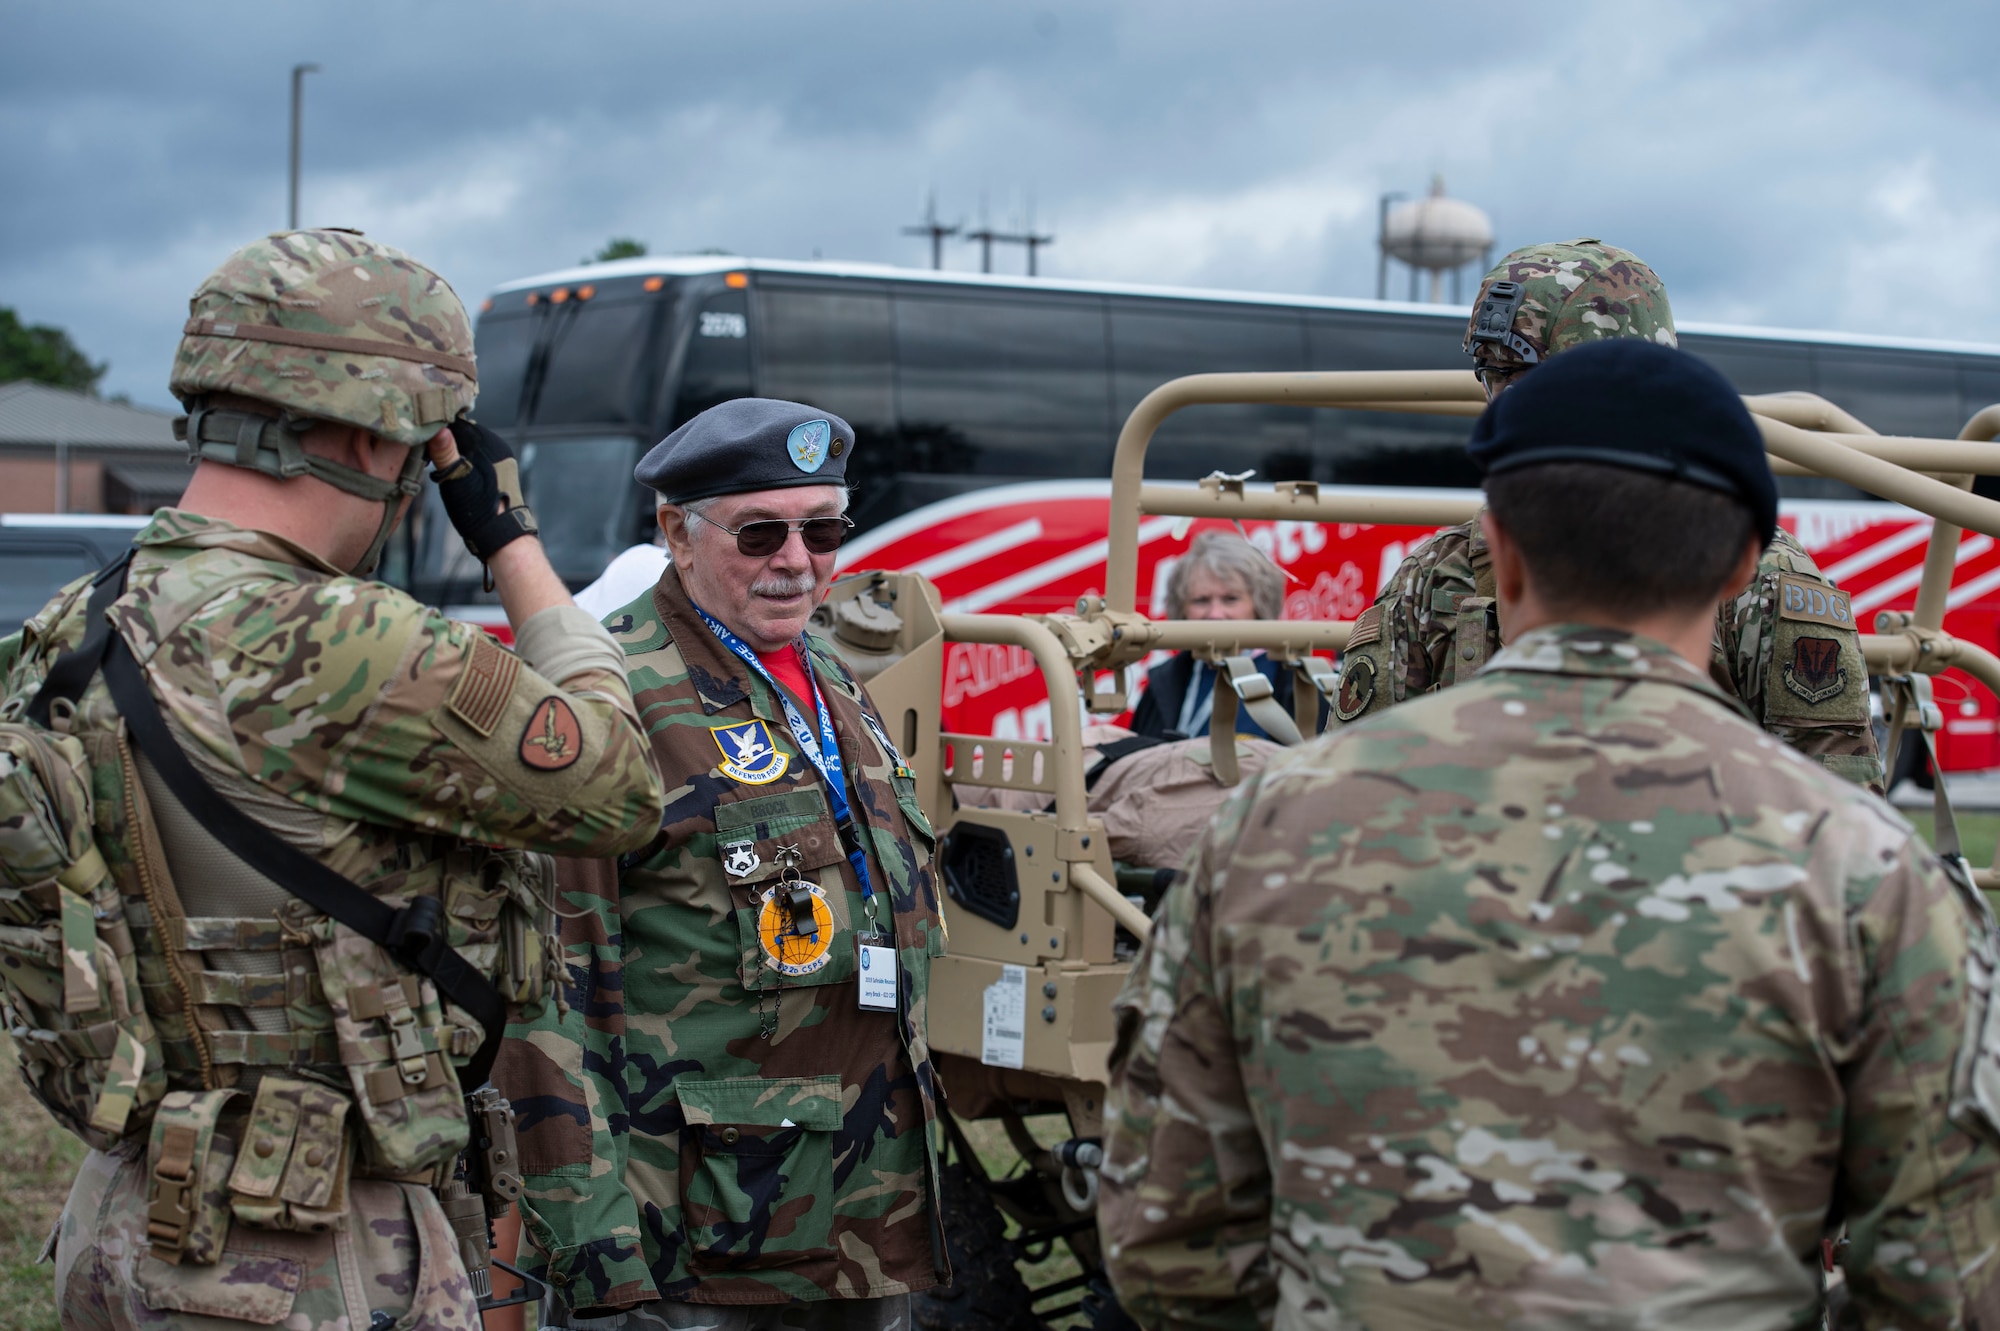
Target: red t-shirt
789, 670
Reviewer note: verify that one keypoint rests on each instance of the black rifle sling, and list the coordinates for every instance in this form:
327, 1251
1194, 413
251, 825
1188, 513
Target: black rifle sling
415, 935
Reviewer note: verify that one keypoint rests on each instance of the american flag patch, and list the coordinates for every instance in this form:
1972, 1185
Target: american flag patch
480, 695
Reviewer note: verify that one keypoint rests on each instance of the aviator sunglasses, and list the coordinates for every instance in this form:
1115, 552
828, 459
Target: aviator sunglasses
760, 540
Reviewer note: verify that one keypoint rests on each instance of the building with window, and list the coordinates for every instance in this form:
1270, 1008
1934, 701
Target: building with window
65, 452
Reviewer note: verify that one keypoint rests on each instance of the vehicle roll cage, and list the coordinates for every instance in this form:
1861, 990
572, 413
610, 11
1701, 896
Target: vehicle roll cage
1804, 434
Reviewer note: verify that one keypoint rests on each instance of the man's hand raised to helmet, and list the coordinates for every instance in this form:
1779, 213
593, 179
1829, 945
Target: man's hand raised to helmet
480, 485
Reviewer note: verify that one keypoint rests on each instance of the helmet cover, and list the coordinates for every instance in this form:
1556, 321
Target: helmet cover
1568, 294
328, 325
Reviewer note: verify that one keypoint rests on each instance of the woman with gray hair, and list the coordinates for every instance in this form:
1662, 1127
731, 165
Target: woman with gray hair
1222, 576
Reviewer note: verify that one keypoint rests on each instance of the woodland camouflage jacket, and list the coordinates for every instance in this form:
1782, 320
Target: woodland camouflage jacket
1563, 998
1787, 646
672, 1151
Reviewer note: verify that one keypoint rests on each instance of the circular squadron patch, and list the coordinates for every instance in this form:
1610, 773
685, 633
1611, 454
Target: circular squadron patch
1357, 689
792, 943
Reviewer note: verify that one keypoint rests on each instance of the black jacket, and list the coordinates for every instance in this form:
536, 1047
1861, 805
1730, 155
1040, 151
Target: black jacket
1159, 709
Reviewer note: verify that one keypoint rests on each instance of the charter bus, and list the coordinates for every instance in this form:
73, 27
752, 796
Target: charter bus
986, 409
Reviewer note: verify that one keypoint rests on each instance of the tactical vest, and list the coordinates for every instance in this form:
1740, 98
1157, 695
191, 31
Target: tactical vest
159, 988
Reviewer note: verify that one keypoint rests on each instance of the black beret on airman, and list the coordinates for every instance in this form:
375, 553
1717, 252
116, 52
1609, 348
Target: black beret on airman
1629, 403
751, 443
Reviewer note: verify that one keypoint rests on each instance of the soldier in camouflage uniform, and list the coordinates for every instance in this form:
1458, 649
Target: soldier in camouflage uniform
733, 1127
268, 1149
1787, 646
1565, 997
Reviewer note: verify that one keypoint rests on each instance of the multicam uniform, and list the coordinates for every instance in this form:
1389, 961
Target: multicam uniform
1564, 998
674, 1151
1787, 646
405, 751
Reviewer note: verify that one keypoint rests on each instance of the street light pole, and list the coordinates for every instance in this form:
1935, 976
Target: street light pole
299, 73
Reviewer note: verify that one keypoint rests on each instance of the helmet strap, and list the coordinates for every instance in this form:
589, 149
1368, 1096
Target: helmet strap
271, 445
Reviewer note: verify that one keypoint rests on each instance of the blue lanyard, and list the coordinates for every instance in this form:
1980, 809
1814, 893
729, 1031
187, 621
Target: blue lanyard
821, 750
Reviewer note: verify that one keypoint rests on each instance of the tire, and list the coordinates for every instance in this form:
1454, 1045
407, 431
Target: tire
986, 1292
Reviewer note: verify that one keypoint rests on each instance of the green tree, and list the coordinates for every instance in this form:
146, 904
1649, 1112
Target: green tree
619, 247
45, 355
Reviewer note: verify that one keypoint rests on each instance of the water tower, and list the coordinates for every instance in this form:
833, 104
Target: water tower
1434, 235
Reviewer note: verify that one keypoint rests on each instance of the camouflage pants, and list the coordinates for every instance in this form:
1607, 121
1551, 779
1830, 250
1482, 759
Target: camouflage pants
886, 1314
394, 1266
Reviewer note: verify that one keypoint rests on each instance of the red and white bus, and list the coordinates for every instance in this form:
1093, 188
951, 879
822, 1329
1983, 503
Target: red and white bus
986, 409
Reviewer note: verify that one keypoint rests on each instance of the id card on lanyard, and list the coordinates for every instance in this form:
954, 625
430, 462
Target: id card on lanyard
821, 750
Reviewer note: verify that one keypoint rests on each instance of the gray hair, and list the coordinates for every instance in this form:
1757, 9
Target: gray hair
1227, 555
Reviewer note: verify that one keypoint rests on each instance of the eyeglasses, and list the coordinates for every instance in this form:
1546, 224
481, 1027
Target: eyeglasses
1495, 376
761, 540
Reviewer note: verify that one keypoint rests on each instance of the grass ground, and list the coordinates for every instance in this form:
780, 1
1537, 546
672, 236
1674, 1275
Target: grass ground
996, 1152
37, 1162
38, 1159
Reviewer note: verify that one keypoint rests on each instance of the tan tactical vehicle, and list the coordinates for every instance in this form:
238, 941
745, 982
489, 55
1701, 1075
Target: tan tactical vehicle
1042, 933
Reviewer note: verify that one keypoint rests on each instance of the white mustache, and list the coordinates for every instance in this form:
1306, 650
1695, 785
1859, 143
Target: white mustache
801, 585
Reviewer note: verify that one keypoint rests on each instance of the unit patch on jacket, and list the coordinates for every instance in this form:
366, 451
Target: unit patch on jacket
1357, 688
1814, 672
795, 927
748, 755
553, 738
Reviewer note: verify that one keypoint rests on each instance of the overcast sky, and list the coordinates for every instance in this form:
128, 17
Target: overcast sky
1817, 165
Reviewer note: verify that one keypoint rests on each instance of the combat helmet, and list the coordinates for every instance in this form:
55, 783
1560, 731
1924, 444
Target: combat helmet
1542, 299
324, 325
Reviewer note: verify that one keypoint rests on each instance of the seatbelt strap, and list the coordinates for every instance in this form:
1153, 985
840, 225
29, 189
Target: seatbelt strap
415, 935
1253, 687
1315, 687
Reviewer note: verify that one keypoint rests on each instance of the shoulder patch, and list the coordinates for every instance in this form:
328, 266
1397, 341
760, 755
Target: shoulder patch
1814, 672
552, 739
1357, 688
484, 686
1368, 628
1814, 603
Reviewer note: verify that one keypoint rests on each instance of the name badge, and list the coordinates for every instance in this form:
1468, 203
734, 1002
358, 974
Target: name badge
876, 955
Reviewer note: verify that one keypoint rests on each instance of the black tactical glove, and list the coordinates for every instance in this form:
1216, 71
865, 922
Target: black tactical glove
482, 491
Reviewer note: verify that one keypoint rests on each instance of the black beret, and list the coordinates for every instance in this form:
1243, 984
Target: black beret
1635, 404
751, 443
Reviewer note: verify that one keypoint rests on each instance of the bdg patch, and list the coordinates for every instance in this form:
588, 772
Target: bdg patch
1814, 673
553, 738
1814, 603
484, 685
1357, 689
748, 755
807, 444
1368, 628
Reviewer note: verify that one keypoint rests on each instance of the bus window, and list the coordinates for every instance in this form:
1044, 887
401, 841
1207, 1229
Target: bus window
1150, 345
1897, 392
585, 500
596, 365
717, 366
1754, 366
829, 349
502, 343
993, 384
1384, 447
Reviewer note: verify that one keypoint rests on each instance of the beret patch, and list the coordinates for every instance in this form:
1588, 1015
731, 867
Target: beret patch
807, 444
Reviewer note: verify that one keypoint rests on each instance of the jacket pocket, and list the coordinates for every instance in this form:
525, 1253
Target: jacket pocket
750, 834
757, 1171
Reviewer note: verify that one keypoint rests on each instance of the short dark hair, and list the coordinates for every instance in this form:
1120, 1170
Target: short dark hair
1627, 542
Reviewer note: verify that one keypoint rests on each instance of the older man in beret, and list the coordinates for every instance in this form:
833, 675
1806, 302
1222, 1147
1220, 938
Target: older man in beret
1565, 997
731, 1126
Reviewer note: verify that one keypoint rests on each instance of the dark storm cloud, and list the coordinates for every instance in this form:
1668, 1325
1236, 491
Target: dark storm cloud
1794, 164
